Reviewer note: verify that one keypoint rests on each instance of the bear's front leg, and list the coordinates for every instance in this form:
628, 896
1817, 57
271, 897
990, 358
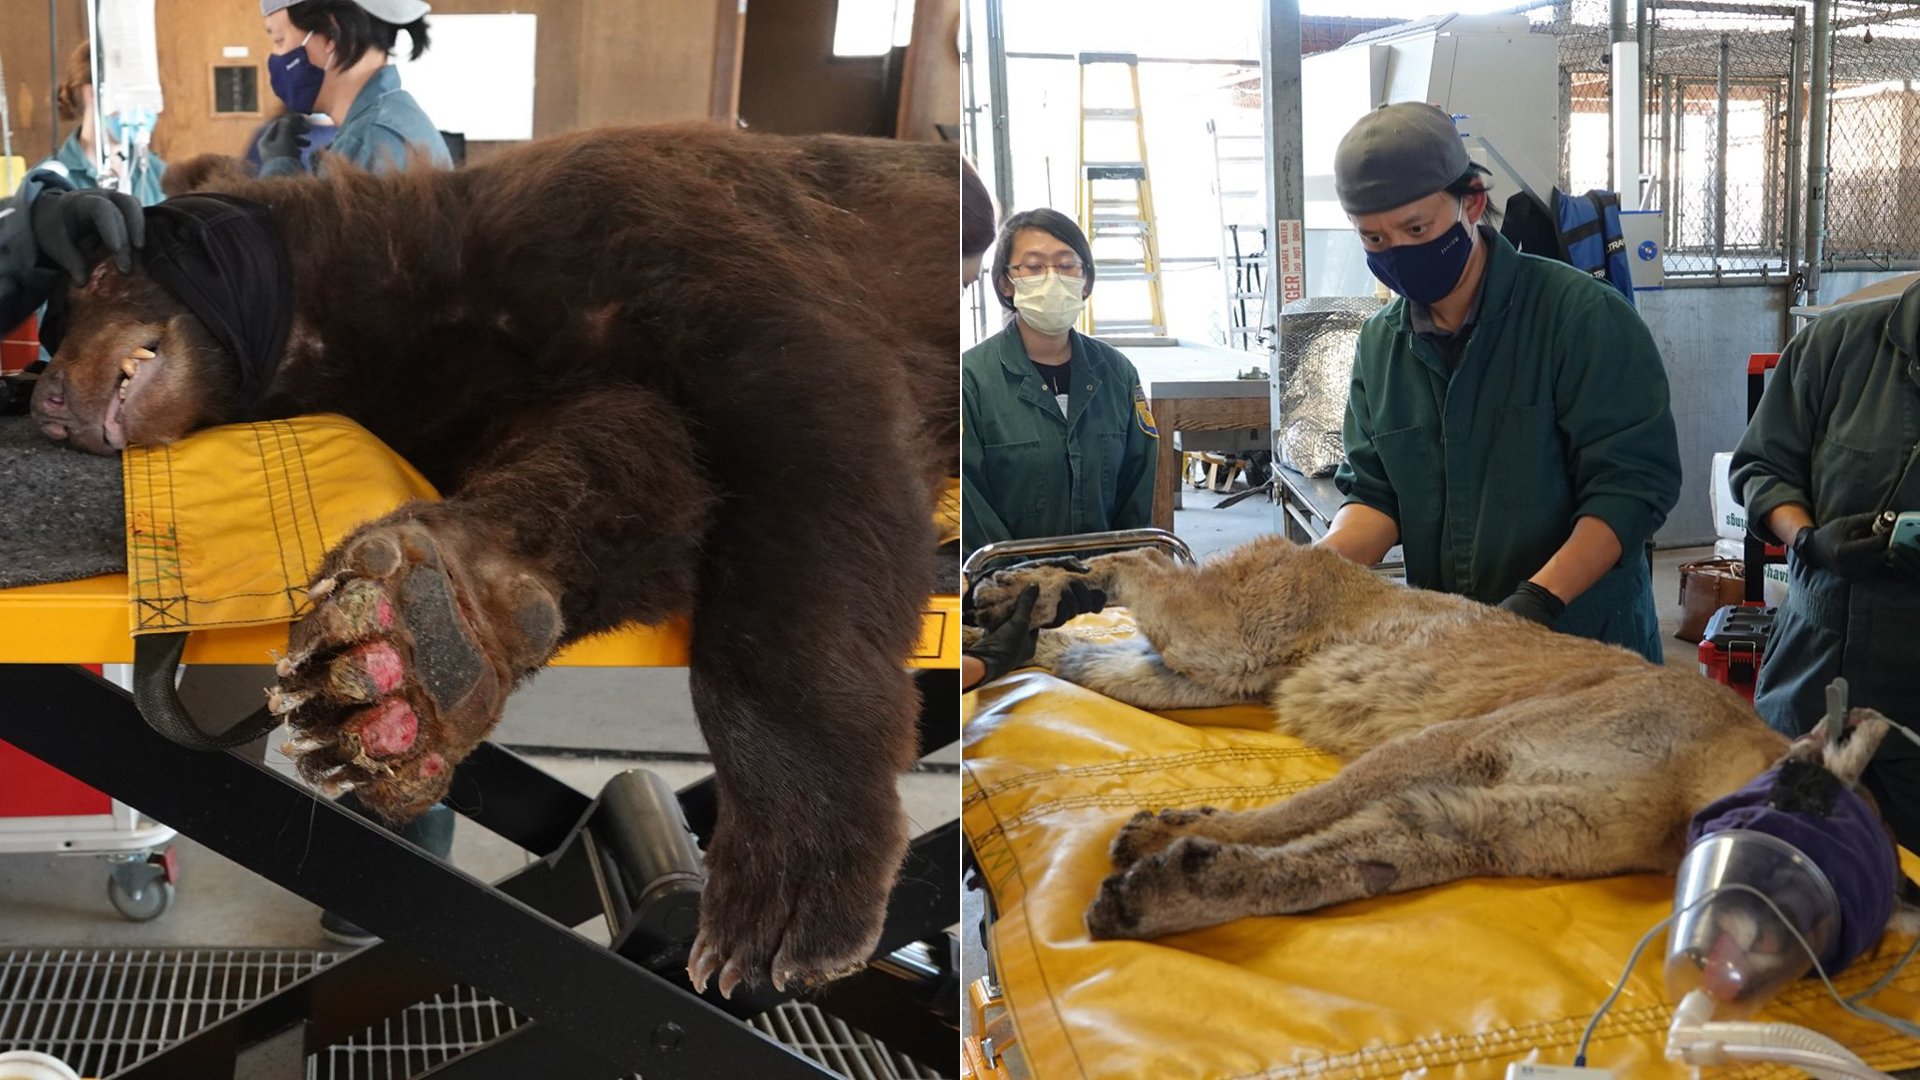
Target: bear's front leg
421, 626
583, 517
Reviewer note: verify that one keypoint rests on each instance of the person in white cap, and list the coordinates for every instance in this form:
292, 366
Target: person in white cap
1508, 422
330, 56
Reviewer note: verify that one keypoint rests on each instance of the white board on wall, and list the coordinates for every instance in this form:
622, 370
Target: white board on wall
477, 78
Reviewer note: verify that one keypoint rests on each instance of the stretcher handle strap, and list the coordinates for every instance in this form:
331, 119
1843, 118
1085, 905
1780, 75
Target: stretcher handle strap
156, 657
1064, 545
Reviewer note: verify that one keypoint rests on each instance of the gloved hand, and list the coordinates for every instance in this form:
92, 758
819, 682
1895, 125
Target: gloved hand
1009, 645
1078, 598
1530, 601
75, 229
1846, 546
283, 137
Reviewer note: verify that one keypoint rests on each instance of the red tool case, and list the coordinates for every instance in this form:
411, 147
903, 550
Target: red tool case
1735, 642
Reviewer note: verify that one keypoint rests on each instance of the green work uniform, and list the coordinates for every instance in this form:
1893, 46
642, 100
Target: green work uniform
72, 161
1026, 470
1836, 432
1557, 409
383, 131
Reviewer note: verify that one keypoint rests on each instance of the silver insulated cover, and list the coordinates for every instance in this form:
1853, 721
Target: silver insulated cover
1314, 370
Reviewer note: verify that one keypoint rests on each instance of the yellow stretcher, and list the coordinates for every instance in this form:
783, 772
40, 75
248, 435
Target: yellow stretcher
292, 489
1455, 981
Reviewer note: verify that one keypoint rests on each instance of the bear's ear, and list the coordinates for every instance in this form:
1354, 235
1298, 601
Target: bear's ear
98, 282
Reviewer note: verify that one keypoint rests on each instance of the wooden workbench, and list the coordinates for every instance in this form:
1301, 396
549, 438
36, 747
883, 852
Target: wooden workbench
1222, 405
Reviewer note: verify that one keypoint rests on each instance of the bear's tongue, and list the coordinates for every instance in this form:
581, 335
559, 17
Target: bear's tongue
131, 369
110, 428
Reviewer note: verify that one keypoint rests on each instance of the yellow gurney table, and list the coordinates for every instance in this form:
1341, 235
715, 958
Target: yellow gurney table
1454, 982
85, 622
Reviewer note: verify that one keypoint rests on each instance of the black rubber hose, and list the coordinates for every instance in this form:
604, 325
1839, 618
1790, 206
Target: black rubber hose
156, 658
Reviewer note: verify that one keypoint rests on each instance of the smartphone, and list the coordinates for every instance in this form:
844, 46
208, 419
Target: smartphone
1906, 530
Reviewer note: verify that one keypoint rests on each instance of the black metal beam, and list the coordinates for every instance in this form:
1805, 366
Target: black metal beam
372, 984
588, 996
504, 793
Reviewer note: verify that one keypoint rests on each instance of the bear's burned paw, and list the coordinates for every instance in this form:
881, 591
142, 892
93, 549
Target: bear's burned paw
994, 598
413, 643
793, 905
1147, 833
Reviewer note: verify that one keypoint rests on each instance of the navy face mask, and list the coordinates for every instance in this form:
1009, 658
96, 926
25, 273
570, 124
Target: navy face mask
1424, 273
295, 80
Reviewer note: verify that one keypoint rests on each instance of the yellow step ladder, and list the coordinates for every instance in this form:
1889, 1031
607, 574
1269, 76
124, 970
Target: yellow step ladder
1115, 210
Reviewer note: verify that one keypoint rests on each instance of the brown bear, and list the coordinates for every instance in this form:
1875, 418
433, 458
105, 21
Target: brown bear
654, 371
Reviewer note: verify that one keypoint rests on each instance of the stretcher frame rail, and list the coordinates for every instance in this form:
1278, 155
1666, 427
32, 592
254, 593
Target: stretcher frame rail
595, 1014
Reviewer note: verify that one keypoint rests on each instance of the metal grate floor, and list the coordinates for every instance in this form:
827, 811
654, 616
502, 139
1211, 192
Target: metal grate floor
101, 1010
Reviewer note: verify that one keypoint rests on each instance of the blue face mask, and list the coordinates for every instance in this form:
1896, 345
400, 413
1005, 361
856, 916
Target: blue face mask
1424, 273
295, 80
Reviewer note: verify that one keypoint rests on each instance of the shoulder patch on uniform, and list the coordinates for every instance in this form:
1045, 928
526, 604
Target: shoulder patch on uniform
1143, 415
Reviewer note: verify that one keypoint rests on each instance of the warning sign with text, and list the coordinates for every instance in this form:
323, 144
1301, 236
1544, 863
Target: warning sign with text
1292, 264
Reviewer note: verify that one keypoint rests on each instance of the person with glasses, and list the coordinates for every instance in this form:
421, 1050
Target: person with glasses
1056, 438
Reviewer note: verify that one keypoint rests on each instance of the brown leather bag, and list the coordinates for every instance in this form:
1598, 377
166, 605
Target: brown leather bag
1706, 587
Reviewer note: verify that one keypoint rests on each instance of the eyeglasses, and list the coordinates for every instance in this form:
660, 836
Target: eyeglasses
1032, 268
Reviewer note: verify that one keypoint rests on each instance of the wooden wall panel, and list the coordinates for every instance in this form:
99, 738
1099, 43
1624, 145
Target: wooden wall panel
23, 54
192, 34
597, 62
930, 87
556, 63
646, 61
730, 34
791, 82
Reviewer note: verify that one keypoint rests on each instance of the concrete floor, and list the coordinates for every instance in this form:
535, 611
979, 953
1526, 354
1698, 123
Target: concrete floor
62, 900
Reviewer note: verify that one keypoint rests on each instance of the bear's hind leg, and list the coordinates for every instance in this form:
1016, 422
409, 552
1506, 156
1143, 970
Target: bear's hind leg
813, 580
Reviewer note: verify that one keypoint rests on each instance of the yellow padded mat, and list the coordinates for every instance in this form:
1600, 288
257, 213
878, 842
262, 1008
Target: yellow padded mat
1453, 981
225, 528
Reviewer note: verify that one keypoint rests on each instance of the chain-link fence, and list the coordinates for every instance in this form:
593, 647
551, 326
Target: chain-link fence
1724, 130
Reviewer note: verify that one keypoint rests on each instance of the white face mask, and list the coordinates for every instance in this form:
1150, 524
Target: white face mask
1050, 304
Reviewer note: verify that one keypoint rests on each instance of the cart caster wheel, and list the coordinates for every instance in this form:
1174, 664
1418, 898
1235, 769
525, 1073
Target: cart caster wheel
151, 902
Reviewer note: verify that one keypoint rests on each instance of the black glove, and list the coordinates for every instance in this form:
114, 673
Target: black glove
283, 137
76, 229
1009, 645
1078, 598
1530, 601
1846, 546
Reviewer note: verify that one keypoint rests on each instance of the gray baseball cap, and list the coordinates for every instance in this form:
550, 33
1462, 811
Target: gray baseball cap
397, 12
1395, 155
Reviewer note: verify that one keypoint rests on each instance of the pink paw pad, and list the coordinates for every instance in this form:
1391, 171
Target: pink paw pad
432, 765
381, 662
391, 730
384, 613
